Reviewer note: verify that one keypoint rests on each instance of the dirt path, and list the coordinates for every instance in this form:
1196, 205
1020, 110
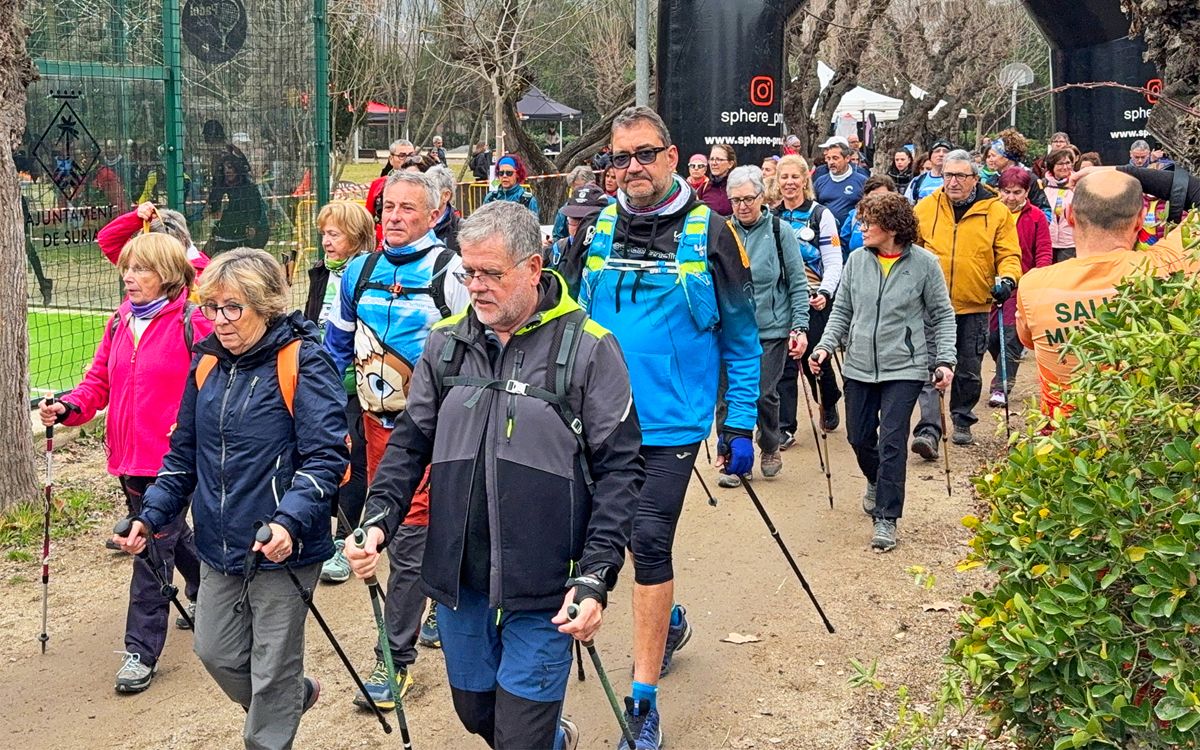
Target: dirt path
788, 690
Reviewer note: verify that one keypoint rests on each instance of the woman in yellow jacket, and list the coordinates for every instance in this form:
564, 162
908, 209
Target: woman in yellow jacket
975, 240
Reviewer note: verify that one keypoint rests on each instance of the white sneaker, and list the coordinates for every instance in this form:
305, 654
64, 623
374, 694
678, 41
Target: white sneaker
134, 676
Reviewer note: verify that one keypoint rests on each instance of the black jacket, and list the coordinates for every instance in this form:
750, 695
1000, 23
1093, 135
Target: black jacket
480, 165
243, 458
508, 462
446, 229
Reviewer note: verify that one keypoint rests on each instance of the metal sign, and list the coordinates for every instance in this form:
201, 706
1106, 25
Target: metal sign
67, 151
214, 30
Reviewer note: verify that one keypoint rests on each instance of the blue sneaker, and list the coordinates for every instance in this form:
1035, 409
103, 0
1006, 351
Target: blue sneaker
677, 637
643, 724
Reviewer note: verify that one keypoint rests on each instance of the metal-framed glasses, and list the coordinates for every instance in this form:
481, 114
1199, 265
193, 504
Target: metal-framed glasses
231, 310
487, 278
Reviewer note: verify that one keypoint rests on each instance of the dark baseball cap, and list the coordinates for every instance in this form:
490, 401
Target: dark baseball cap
585, 202
941, 143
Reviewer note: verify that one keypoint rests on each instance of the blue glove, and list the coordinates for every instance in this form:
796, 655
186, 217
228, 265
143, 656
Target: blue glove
738, 452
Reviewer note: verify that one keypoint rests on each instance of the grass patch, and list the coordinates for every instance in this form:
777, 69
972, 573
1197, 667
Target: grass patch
19, 555
362, 173
74, 511
61, 346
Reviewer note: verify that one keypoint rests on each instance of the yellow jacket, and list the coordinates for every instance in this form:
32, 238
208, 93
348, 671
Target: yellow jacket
973, 251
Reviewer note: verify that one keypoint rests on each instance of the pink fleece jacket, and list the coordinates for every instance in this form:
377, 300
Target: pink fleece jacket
142, 384
116, 233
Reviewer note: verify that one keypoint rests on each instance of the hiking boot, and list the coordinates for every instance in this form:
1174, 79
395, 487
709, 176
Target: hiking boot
337, 568
729, 480
925, 447
830, 419
430, 637
869, 500
884, 538
789, 439
380, 691
997, 398
962, 435
134, 676
677, 637
771, 464
643, 725
570, 734
312, 691
181, 623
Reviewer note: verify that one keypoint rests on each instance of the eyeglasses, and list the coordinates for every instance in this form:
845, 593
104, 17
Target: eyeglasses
404, 155
232, 311
505, 173
697, 166
957, 177
747, 201
488, 278
717, 159
646, 156
864, 225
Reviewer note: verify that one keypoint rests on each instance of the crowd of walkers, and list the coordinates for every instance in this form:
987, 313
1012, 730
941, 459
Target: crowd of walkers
506, 417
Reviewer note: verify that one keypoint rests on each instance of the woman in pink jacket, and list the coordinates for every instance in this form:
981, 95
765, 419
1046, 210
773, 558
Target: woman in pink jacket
116, 233
139, 373
1033, 234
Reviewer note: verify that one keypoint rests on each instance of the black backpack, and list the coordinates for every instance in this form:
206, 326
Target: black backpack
568, 332
435, 290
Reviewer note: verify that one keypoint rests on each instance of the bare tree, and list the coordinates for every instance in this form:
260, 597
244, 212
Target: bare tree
16, 73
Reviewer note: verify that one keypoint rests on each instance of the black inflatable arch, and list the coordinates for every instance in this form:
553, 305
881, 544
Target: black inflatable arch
721, 73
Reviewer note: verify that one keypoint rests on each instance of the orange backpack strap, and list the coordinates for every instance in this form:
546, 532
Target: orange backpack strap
207, 363
287, 368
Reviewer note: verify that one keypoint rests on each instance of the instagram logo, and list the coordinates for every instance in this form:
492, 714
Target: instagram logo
762, 91
1154, 85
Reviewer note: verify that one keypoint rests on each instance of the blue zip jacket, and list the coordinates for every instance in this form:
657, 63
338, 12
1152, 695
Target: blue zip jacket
516, 194
240, 455
673, 364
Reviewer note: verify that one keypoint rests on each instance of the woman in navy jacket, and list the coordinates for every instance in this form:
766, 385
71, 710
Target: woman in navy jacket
249, 457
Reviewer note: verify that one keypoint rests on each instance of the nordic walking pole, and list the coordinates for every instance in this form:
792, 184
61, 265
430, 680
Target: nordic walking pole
573, 612
262, 535
45, 635
711, 499
707, 452
824, 435
811, 422
166, 588
945, 437
385, 647
786, 553
1003, 363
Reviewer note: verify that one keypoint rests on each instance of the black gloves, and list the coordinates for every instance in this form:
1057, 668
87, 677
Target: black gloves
1003, 289
590, 586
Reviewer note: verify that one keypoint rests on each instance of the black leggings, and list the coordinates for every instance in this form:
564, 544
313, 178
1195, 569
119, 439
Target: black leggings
352, 496
668, 472
789, 390
523, 724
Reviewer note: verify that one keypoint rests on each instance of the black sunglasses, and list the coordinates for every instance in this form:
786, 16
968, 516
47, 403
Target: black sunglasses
506, 173
644, 156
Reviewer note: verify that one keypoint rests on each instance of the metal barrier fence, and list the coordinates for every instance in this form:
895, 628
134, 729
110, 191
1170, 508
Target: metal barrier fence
207, 106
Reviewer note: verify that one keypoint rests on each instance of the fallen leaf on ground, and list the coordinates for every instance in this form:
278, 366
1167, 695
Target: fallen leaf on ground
939, 607
739, 639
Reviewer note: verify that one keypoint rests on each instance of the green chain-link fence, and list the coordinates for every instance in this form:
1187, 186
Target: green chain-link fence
206, 106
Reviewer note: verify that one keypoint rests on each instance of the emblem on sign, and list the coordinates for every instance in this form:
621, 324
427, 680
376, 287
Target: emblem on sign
67, 151
214, 30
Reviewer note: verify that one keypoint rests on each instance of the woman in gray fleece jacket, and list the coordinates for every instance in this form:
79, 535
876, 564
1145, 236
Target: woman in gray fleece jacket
885, 296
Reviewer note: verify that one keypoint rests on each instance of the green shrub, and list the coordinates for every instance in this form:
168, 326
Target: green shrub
1091, 636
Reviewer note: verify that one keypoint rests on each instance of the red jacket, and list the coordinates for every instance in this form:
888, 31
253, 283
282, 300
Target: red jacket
142, 386
116, 233
1033, 234
374, 199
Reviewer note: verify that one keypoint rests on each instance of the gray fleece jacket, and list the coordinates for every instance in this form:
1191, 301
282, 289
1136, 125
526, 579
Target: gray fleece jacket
778, 308
882, 317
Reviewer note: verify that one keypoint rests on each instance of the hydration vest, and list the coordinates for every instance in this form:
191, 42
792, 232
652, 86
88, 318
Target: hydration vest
689, 269
809, 246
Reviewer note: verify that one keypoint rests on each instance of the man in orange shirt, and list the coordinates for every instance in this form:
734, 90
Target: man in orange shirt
1051, 302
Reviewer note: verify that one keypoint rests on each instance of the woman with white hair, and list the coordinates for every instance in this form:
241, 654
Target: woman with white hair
446, 227
781, 305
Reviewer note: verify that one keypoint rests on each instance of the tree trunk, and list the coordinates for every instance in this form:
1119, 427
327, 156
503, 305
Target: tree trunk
16, 448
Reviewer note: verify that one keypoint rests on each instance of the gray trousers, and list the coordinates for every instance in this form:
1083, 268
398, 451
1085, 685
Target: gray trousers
774, 355
257, 655
405, 608
971, 343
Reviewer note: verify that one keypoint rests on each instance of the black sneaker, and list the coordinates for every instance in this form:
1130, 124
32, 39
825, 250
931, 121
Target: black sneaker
643, 724
962, 435
925, 447
789, 440
830, 419
677, 637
